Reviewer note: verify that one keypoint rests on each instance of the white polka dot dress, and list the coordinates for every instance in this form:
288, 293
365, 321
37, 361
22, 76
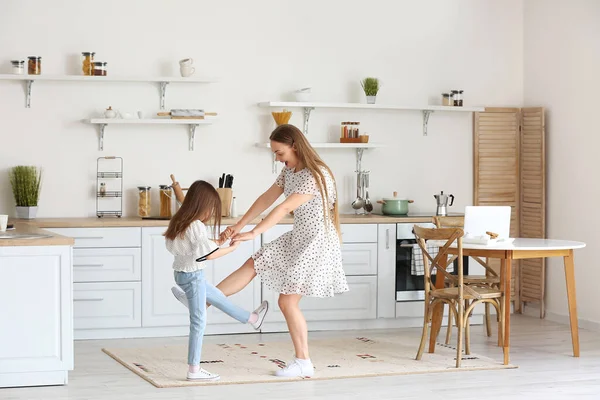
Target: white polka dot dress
308, 259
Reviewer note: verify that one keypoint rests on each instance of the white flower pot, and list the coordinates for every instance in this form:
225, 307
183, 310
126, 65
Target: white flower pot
26, 212
371, 99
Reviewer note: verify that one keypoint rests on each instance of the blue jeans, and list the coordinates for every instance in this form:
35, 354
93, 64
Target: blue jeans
198, 292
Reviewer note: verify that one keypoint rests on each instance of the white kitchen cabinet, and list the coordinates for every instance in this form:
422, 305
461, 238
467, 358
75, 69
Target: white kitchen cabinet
36, 320
107, 305
386, 271
102, 237
159, 306
107, 265
359, 259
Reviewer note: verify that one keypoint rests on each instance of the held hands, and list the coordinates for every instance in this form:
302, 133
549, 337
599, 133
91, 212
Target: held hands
242, 237
229, 232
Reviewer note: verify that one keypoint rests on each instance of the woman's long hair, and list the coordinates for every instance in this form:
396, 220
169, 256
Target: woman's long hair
290, 135
201, 201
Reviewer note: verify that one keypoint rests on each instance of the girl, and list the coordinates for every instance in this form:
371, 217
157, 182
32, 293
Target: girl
306, 261
188, 240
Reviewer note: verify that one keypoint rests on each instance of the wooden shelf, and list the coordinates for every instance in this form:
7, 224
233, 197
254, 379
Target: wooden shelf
192, 124
334, 145
162, 81
426, 110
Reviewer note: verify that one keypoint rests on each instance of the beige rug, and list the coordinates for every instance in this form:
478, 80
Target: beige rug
376, 355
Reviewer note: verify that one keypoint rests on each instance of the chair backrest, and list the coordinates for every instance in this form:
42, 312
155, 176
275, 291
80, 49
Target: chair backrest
449, 222
449, 235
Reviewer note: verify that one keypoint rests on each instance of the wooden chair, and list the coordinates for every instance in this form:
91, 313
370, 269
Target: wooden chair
490, 279
460, 298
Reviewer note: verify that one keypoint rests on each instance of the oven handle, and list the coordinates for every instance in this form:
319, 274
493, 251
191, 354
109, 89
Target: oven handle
387, 239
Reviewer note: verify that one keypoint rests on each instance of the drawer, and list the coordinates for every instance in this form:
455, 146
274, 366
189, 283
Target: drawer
107, 305
359, 258
107, 265
102, 237
359, 233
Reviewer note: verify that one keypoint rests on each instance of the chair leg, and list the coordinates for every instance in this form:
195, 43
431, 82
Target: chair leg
542, 309
501, 323
449, 331
467, 331
460, 322
424, 334
488, 322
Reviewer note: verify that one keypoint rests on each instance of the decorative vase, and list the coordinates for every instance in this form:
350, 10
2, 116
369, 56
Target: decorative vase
26, 212
371, 99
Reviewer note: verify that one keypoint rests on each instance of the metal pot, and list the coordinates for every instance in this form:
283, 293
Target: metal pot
395, 205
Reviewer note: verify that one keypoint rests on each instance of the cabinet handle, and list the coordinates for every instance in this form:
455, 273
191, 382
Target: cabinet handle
387, 238
89, 237
90, 299
89, 265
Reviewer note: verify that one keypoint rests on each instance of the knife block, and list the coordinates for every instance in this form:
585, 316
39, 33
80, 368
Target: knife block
226, 196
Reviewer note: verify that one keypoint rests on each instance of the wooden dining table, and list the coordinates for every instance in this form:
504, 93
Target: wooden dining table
519, 249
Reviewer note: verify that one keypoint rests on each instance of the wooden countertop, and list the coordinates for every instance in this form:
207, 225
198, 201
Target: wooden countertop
93, 222
27, 228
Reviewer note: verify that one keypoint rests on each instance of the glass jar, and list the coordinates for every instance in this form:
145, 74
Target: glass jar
454, 94
102, 189
460, 98
34, 65
87, 65
344, 130
447, 100
165, 200
18, 67
99, 68
144, 201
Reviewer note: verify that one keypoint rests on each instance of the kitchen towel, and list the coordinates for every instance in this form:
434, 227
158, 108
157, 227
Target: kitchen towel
417, 267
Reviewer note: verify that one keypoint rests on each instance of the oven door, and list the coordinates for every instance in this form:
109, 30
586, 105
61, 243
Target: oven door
408, 287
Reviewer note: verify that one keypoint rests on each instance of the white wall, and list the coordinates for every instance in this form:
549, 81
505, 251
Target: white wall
562, 61
261, 51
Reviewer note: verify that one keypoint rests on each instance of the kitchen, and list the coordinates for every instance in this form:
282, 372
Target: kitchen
407, 162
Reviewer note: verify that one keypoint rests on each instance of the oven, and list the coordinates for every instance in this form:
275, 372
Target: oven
410, 287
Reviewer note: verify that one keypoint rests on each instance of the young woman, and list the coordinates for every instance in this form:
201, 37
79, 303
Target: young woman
306, 261
188, 240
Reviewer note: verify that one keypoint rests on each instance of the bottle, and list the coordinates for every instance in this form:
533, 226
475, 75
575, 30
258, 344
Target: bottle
102, 189
233, 209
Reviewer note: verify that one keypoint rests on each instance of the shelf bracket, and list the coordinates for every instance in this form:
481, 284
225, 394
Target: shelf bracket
307, 111
101, 138
163, 90
426, 114
28, 94
192, 136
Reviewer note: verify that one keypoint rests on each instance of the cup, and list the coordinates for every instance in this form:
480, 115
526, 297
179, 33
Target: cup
140, 114
187, 71
186, 62
3, 222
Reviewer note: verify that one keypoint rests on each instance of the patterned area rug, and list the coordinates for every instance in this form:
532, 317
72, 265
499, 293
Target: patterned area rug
333, 359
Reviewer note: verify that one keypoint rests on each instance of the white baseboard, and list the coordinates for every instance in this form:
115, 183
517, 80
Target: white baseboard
563, 319
21, 379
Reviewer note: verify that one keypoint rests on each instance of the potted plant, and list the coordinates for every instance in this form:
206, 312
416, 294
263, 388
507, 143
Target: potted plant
26, 182
371, 87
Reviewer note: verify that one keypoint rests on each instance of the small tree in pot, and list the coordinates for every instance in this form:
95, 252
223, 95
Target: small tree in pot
26, 184
371, 88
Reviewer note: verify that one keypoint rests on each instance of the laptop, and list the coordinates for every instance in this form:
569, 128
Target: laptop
482, 219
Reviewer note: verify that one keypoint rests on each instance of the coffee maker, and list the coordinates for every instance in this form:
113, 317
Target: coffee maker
442, 203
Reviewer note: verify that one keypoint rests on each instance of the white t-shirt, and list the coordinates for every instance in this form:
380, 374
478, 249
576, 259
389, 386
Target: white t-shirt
194, 244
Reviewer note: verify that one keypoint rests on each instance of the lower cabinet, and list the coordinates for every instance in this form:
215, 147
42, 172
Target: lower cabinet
107, 305
159, 306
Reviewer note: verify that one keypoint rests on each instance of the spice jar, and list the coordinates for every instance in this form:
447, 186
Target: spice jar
447, 100
18, 67
165, 200
144, 201
459, 98
454, 96
99, 68
34, 65
88, 63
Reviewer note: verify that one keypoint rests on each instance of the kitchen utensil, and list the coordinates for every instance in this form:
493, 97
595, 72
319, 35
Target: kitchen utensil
281, 117
395, 205
442, 203
110, 113
177, 189
358, 203
183, 113
302, 95
368, 206
187, 71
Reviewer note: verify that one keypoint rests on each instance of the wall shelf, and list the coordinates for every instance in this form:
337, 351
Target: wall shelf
162, 81
192, 124
310, 106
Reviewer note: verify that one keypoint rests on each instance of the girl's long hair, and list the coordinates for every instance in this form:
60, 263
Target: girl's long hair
201, 201
290, 135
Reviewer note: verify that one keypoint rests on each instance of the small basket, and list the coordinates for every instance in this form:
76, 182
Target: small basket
360, 139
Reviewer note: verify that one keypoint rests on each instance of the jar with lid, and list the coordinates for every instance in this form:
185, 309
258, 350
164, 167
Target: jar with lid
459, 98
34, 65
102, 190
99, 68
87, 65
18, 67
447, 99
454, 95
166, 194
234, 213
144, 201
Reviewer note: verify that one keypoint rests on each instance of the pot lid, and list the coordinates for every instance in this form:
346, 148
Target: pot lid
395, 199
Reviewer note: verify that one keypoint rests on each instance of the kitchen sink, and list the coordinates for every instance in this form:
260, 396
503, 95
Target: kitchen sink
23, 236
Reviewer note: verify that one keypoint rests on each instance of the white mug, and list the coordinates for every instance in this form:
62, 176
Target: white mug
3, 222
186, 62
187, 71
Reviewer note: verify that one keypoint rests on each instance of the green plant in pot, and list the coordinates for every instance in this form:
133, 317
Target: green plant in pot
26, 184
371, 88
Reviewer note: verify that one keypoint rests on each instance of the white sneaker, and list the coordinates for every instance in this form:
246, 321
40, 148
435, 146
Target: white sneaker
202, 375
180, 295
294, 369
261, 311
